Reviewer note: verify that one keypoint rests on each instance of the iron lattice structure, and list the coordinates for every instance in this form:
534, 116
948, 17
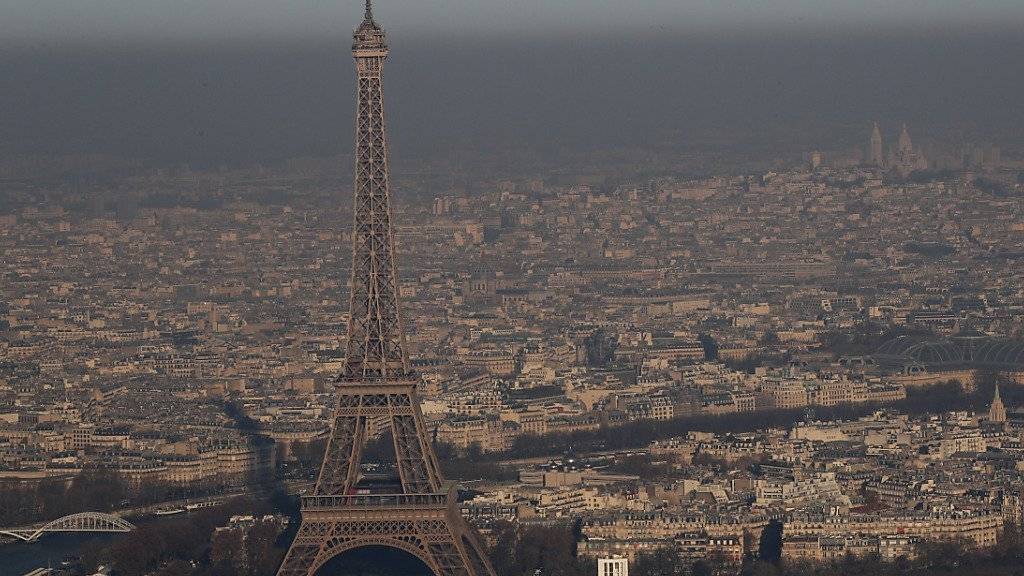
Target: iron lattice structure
419, 513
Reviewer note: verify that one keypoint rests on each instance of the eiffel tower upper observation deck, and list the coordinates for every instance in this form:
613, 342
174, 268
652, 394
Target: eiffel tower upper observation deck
417, 512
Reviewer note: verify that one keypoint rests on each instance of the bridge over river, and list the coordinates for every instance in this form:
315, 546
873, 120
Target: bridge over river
81, 522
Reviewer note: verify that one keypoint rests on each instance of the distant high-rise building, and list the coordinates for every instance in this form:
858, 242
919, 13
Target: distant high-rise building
997, 412
976, 156
993, 157
875, 155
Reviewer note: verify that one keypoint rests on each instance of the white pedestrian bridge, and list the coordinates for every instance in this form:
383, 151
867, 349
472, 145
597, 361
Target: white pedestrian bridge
82, 522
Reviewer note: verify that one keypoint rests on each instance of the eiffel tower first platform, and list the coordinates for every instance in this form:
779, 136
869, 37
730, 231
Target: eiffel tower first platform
416, 512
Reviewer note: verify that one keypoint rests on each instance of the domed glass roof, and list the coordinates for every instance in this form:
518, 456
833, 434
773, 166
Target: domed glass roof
923, 350
971, 349
1001, 354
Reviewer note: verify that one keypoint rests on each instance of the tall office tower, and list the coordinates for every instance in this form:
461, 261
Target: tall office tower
412, 509
875, 156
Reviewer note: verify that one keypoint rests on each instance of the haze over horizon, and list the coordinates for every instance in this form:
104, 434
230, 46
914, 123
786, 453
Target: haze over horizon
64, 21
231, 82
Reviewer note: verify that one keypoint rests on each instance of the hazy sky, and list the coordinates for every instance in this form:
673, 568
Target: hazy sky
209, 81
64, 20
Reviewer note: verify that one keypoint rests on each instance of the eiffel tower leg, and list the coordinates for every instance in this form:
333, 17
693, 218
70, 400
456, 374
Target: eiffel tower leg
305, 549
454, 550
340, 467
473, 557
416, 462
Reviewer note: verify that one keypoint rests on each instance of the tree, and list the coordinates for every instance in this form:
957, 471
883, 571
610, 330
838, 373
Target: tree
1010, 546
550, 549
664, 561
710, 346
92, 554
140, 552
760, 568
948, 553
227, 549
702, 568
309, 454
504, 547
176, 567
525, 550
264, 555
770, 546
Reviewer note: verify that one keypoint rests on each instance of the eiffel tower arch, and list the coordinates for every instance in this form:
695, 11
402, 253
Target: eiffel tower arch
384, 560
417, 512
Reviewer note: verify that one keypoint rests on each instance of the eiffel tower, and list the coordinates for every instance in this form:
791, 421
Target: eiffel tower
417, 511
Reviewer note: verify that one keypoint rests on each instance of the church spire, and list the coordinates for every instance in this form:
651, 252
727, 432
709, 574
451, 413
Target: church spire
997, 412
369, 10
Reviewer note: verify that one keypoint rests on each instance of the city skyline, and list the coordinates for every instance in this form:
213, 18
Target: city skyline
581, 303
